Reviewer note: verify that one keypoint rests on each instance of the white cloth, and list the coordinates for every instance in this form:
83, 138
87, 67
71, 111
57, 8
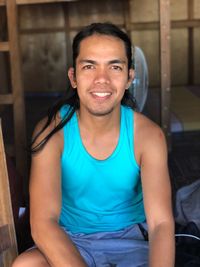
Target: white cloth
187, 207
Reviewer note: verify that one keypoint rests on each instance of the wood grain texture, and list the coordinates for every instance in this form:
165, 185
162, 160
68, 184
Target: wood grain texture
17, 88
98, 11
6, 219
165, 62
29, 2
4, 46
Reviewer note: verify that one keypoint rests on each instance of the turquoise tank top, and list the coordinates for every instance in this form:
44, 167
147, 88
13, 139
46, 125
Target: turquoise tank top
100, 195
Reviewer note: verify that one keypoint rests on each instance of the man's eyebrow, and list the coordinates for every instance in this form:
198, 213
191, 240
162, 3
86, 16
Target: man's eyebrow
117, 61
90, 61
113, 61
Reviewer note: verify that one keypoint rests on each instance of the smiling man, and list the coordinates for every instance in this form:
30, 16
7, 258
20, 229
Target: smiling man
99, 175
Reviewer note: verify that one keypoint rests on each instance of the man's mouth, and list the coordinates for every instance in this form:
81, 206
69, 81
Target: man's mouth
101, 94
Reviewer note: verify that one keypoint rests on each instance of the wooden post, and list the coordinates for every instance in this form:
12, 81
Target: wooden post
7, 230
165, 66
67, 35
190, 44
17, 88
127, 16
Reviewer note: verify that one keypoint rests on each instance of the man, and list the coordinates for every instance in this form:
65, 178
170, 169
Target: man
99, 169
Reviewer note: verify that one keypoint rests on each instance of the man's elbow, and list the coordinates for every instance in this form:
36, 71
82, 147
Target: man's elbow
167, 227
40, 228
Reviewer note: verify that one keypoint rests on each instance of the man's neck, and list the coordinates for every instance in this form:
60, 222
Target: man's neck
98, 125
99, 134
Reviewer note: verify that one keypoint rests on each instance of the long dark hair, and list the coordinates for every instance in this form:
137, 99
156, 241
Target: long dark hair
72, 99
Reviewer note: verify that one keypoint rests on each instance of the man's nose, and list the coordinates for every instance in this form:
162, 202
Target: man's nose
102, 76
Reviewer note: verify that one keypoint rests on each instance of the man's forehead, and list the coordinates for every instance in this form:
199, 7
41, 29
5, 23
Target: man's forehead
101, 39
102, 44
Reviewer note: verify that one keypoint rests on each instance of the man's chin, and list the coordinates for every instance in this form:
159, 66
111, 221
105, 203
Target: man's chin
100, 113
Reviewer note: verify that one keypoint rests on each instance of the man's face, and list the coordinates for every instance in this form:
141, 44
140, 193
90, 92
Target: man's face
101, 76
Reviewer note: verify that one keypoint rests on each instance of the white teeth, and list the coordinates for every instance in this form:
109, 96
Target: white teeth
101, 94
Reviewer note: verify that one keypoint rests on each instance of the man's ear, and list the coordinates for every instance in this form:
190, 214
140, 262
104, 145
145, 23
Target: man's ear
131, 76
72, 78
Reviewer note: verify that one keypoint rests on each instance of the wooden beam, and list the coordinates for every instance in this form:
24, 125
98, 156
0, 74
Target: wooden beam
4, 237
17, 88
2, 2
190, 44
165, 66
192, 23
4, 46
67, 28
6, 218
42, 30
174, 25
127, 16
23, 2
28, 2
6, 99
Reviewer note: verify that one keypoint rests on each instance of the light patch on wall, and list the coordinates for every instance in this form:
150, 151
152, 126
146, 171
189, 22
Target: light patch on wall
178, 9
196, 9
144, 10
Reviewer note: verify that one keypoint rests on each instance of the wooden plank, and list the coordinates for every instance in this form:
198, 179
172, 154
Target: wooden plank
191, 44
4, 46
42, 30
4, 237
6, 218
109, 10
165, 66
27, 2
195, 23
127, 16
6, 99
17, 88
67, 27
22, 2
178, 24
2, 2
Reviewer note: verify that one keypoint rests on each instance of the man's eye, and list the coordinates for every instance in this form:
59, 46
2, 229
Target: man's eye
88, 67
116, 67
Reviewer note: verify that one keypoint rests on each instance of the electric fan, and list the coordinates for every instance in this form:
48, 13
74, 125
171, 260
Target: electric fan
139, 86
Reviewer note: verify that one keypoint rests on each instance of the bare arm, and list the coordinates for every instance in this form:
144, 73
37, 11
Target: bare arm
45, 206
157, 197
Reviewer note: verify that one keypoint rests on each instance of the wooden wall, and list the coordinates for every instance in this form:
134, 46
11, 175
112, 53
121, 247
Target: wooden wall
3, 57
46, 36
46, 33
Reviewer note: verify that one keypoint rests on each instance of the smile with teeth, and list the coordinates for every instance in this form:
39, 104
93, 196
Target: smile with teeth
101, 94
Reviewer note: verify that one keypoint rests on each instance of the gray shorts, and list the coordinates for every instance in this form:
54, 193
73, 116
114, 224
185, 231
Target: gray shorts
124, 248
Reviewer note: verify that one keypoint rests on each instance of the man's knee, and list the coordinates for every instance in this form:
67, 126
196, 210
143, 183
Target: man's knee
30, 259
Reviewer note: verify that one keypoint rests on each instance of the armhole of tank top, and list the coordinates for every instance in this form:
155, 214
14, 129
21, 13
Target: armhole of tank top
62, 114
133, 140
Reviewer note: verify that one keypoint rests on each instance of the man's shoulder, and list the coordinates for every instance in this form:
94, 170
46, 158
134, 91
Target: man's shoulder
146, 130
49, 126
144, 123
44, 128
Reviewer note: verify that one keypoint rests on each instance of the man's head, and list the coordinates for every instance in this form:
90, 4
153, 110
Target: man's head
102, 67
102, 29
